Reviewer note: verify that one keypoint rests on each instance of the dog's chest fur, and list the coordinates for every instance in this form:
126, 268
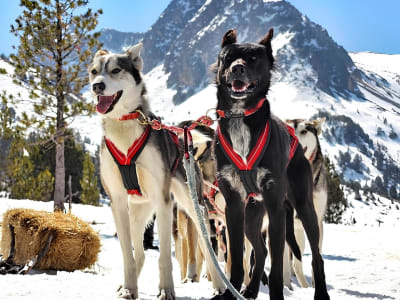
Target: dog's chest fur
239, 134
122, 133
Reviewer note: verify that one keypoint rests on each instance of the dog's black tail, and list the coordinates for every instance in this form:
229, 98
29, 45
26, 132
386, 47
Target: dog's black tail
290, 238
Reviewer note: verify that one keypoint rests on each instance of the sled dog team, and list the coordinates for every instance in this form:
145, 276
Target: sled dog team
262, 179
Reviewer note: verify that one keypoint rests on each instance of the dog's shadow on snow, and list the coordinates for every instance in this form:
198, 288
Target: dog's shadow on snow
338, 257
335, 257
366, 295
108, 236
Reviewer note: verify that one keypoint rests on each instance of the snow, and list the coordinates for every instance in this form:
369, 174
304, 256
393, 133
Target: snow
377, 61
361, 262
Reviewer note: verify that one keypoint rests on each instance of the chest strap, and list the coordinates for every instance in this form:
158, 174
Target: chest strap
127, 163
293, 143
247, 169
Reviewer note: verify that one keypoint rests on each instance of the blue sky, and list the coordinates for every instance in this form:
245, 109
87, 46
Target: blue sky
357, 25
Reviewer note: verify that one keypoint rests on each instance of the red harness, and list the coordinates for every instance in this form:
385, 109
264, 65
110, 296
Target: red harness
247, 168
255, 153
247, 112
127, 163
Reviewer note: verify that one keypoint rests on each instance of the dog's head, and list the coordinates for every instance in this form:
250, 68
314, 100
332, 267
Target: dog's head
116, 81
243, 70
307, 131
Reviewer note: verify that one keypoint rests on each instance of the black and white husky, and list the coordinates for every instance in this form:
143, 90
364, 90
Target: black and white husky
140, 167
307, 131
259, 165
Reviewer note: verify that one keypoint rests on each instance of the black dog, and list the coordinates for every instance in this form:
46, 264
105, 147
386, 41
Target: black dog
259, 165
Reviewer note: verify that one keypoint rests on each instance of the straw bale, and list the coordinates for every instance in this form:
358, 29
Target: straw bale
75, 245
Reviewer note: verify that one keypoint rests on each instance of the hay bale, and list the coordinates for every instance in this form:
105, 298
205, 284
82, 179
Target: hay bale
75, 245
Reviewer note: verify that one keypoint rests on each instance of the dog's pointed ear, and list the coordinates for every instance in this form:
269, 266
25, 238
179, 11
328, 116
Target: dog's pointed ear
318, 124
229, 37
266, 40
101, 52
134, 53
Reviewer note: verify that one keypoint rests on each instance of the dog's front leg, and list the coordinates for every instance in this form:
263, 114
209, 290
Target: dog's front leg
234, 212
164, 222
119, 207
276, 230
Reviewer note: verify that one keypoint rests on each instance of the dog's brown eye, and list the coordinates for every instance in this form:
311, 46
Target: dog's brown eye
116, 71
94, 72
303, 131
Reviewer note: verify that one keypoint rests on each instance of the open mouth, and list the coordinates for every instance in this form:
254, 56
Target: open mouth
240, 88
106, 103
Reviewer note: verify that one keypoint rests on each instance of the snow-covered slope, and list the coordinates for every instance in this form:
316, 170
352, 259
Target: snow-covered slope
361, 262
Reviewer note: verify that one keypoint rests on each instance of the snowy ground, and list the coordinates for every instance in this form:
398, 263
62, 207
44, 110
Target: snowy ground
361, 262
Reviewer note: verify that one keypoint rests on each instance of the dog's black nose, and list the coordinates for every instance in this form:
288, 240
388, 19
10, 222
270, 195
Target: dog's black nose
98, 87
238, 68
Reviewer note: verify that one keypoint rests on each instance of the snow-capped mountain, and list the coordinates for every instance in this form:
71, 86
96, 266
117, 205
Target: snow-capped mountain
187, 36
358, 93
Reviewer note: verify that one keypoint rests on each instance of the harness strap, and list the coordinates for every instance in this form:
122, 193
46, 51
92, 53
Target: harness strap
255, 155
247, 112
127, 163
294, 143
313, 155
130, 116
175, 139
246, 169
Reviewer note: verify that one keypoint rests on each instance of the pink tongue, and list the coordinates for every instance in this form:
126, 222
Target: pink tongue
104, 103
238, 85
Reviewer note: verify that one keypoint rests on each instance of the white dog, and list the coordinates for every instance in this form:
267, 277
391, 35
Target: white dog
140, 167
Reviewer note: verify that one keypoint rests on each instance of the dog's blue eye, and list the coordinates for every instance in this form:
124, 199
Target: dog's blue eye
116, 71
94, 72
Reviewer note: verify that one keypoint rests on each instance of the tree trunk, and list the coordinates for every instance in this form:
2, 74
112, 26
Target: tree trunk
59, 190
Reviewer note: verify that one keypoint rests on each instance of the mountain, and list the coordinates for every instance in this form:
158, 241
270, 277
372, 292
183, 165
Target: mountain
187, 36
157, 41
358, 93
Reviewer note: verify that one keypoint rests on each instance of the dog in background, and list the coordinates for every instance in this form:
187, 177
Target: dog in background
140, 168
308, 131
186, 245
188, 253
258, 164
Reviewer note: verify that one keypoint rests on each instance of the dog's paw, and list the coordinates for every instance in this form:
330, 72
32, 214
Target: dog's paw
227, 295
192, 276
187, 279
125, 293
321, 295
166, 294
249, 294
218, 292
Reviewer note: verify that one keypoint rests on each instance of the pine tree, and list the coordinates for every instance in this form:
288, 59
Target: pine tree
6, 135
22, 180
336, 201
90, 190
55, 47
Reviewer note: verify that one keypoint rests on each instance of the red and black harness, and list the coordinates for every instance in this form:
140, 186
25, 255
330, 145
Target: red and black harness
248, 169
127, 163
